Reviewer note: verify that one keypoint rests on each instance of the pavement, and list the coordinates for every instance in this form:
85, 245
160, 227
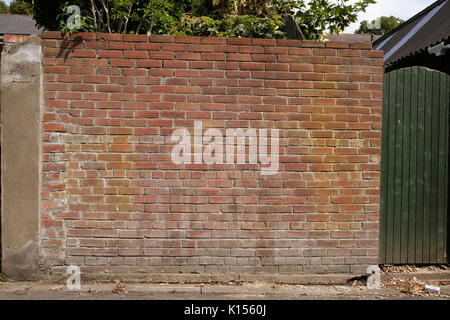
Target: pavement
231, 291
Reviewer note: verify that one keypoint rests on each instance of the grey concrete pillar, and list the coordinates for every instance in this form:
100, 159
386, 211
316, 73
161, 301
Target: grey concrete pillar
21, 101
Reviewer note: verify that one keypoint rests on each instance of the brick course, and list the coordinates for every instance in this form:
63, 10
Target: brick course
112, 199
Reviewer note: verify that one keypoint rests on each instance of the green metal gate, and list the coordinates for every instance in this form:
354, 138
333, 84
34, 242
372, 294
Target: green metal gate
414, 167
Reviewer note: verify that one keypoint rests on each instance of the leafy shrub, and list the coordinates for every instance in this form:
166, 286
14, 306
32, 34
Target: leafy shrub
226, 18
232, 26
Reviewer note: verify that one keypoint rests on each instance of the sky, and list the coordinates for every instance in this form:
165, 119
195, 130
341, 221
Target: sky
403, 9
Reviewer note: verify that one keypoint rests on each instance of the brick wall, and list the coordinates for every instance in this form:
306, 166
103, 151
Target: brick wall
112, 198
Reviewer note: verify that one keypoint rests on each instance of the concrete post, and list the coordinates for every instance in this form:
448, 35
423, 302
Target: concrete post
21, 100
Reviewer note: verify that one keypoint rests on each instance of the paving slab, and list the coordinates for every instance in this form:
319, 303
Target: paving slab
245, 291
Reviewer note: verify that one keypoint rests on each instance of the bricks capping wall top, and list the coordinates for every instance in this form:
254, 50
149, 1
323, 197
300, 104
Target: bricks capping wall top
205, 40
14, 38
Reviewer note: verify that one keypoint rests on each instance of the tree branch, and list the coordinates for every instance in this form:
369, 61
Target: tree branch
94, 14
128, 17
107, 15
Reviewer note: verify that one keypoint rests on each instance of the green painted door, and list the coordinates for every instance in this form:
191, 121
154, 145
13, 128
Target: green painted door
414, 167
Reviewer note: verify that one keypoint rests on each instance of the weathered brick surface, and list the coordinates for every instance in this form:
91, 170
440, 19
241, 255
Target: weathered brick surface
112, 199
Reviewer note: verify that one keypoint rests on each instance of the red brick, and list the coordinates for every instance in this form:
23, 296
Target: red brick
84, 53
239, 41
239, 57
188, 39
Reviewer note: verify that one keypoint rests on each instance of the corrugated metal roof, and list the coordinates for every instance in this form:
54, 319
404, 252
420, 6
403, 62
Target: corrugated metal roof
18, 24
427, 28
